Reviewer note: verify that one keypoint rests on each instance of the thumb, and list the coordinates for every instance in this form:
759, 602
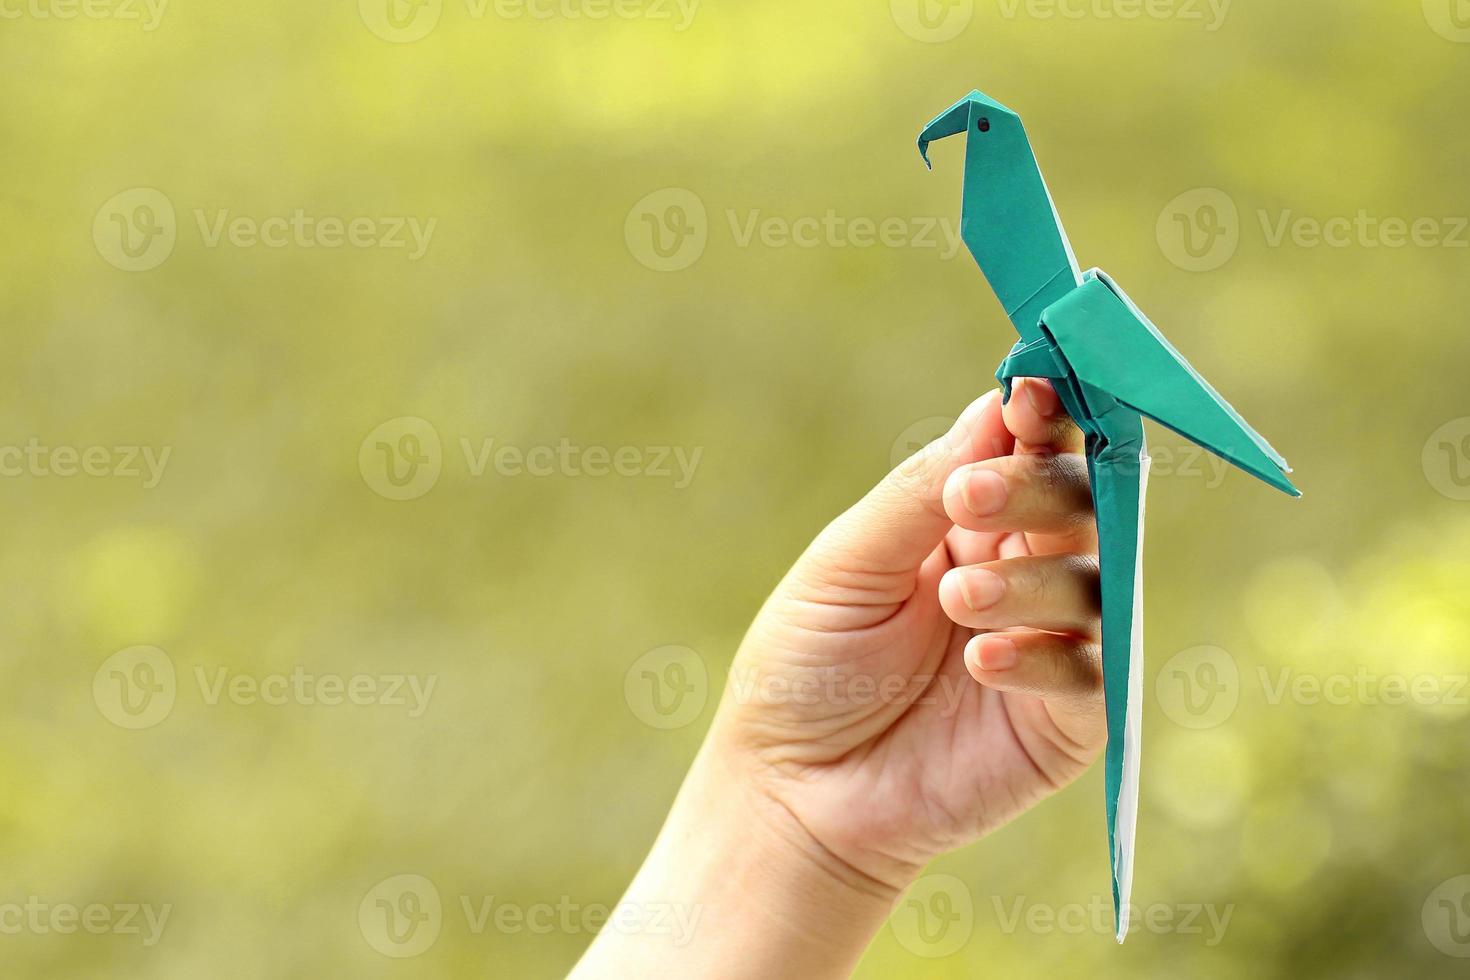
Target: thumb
902, 520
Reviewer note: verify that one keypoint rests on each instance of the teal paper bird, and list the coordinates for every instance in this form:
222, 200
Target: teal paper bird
1110, 367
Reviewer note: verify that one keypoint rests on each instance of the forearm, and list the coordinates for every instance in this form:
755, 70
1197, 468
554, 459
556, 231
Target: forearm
742, 891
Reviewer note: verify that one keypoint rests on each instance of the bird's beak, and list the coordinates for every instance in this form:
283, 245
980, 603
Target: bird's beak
959, 117
955, 119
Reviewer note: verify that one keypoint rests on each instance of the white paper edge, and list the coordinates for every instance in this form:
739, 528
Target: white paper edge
1127, 813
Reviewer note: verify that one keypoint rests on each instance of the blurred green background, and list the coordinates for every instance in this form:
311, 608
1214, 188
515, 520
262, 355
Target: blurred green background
654, 230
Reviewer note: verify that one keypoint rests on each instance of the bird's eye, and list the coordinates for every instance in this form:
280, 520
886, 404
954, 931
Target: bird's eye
983, 124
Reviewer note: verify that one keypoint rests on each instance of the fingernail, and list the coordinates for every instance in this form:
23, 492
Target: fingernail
981, 588
998, 654
984, 493
1043, 398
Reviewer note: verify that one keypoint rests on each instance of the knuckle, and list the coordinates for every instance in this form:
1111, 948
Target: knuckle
1067, 469
1086, 575
1067, 491
1042, 582
1086, 667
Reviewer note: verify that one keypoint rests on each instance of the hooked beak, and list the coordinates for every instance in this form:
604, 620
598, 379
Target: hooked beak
956, 119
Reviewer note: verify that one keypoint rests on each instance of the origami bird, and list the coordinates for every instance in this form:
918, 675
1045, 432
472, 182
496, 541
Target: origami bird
1110, 367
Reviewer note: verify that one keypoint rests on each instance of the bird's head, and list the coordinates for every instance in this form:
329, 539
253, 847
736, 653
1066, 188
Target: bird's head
978, 115
1007, 220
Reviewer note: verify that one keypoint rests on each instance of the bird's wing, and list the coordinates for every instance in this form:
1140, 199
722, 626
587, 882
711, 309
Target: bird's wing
1112, 346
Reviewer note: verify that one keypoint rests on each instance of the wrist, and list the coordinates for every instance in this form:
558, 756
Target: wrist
781, 854
760, 895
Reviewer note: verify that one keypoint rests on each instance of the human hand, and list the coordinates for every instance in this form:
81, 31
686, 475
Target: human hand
930, 667
927, 670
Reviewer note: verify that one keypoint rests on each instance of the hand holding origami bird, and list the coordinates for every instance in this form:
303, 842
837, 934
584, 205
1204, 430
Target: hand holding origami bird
925, 672
958, 644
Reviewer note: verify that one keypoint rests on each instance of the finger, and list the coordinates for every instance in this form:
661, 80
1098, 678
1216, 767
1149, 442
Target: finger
964, 547
1047, 665
1038, 492
972, 547
1050, 592
901, 520
1034, 415
1014, 545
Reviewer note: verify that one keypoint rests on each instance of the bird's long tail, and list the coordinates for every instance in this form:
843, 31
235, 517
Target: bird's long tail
1119, 473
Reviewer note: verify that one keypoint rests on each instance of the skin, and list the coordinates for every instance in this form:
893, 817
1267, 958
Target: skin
928, 670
